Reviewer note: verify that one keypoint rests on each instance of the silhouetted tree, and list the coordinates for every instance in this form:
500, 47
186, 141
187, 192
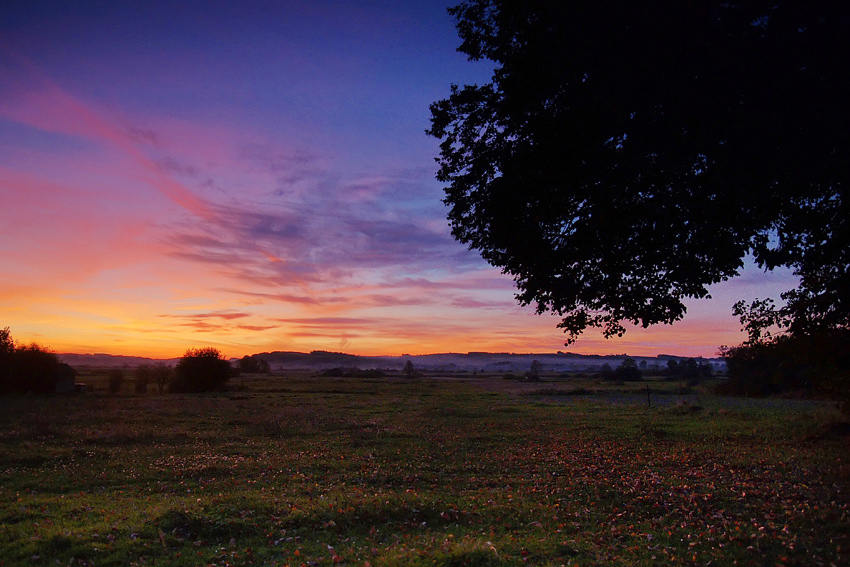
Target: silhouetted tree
672, 369
142, 376
201, 370
533, 375
162, 376
34, 369
408, 371
626, 155
689, 369
7, 349
627, 371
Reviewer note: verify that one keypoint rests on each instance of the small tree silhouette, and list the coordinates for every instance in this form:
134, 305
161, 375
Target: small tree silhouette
143, 376
201, 370
408, 371
533, 375
162, 376
628, 371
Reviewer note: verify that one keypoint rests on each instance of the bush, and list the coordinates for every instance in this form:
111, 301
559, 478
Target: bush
162, 376
201, 370
148, 374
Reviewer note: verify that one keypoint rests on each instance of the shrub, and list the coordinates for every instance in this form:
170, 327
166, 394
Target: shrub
201, 370
162, 376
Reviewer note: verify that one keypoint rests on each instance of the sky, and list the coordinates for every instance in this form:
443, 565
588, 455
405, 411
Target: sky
255, 176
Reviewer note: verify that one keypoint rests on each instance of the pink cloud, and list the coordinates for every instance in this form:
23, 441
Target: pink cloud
42, 104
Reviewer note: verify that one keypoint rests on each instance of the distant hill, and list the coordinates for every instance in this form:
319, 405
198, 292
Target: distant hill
446, 362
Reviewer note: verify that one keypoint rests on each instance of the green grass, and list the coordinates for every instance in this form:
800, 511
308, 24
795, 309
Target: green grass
449, 472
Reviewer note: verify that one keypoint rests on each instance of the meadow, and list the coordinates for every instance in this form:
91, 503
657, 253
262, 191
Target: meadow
449, 471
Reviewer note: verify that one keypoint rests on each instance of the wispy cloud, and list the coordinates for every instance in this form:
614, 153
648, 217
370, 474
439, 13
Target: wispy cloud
42, 104
227, 315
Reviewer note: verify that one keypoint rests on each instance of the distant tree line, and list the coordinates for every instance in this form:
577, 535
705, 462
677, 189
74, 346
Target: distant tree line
146, 375
199, 370
689, 369
253, 365
340, 372
629, 370
32, 368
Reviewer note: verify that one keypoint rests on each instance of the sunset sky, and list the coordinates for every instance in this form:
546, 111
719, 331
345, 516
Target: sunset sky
255, 176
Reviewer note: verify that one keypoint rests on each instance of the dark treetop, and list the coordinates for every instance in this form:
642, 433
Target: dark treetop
628, 154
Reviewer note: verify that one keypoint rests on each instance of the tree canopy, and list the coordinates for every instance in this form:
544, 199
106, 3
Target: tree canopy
626, 155
201, 370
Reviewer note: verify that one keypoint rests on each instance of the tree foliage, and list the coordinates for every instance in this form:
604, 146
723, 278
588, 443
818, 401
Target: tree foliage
201, 370
142, 377
776, 358
7, 348
162, 376
626, 155
26, 368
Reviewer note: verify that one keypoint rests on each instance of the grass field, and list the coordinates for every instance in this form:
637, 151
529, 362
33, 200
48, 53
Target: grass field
298, 470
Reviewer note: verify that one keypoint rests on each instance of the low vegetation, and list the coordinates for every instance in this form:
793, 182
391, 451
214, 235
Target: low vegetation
436, 470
